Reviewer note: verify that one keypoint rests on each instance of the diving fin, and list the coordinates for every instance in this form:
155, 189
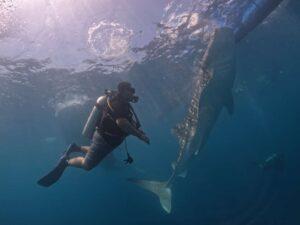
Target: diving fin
54, 175
160, 189
229, 103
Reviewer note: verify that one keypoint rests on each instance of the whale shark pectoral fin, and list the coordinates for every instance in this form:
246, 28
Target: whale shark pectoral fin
229, 103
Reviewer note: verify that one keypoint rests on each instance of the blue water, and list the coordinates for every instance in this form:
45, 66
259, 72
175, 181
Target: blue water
44, 102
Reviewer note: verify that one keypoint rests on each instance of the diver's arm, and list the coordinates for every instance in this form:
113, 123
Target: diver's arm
127, 127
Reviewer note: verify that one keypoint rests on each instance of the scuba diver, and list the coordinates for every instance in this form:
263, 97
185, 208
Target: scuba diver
110, 122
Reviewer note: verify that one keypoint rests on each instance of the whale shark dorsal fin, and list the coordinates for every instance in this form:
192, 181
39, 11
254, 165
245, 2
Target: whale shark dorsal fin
229, 103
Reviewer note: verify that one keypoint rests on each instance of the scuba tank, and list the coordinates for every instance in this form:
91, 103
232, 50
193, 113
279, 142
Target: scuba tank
95, 115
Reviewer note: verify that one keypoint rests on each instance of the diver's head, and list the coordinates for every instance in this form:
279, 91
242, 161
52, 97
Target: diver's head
126, 92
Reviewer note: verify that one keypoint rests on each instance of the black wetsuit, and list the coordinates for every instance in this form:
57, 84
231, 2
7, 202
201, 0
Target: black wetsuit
107, 126
108, 135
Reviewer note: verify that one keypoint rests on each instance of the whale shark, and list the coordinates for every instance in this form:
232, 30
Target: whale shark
212, 93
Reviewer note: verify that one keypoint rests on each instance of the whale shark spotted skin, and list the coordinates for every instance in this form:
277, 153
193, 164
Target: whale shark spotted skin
211, 93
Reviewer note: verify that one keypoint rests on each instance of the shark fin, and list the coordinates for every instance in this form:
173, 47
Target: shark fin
229, 103
160, 189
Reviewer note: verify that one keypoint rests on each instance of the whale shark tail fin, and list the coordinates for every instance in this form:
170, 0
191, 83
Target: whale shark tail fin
160, 189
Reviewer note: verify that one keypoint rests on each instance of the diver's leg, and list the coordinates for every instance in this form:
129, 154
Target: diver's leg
85, 149
88, 162
76, 162
95, 154
75, 148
